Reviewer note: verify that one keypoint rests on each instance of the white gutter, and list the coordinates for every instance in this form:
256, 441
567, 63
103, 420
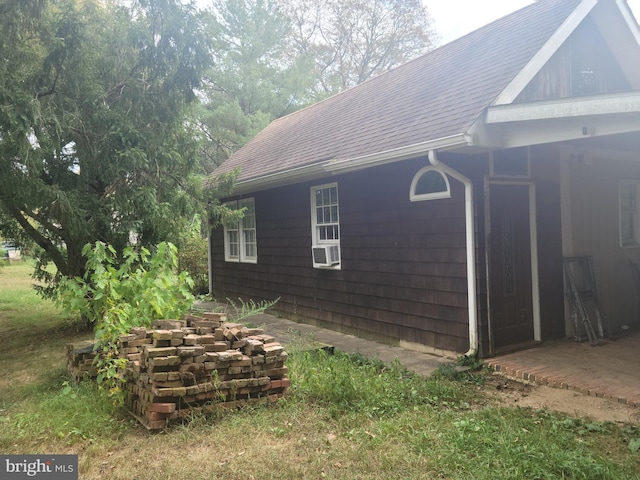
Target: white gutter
209, 267
397, 154
324, 167
279, 179
470, 230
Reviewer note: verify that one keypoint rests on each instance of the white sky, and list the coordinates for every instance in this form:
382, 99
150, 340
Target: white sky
454, 18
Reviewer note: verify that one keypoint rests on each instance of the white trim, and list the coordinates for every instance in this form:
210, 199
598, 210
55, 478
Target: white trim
635, 185
522, 79
315, 240
470, 243
566, 108
227, 228
413, 197
533, 248
210, 261
397, 154
323, 168
535, 277
629, 19
521, 134
280, 179
242, 257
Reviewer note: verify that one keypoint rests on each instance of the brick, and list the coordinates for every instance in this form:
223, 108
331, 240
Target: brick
190, 350
162, 335
139, 332
244, 362
169, 384
140, 342
126, 338
192, 367
156, 424
160, 377
218, 333
167, 325
164, 361
217, 347
221, 317
152, 352
191, 339
273, 349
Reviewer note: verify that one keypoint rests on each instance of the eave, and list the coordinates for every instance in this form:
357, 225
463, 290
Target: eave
327, 168
515, 125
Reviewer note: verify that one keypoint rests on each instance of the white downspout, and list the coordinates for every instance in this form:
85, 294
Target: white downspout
471, 250
209, 267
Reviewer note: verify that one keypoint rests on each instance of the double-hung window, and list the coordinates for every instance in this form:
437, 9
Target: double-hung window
240, 241
629, 213
325, 225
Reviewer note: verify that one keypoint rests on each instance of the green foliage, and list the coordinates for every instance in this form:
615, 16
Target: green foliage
69, 412
95, 138
352, 383
249, 308
192, 256
118, 294
256, 77
351, 42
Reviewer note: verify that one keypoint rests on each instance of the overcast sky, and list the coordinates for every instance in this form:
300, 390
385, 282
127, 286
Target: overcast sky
454, 18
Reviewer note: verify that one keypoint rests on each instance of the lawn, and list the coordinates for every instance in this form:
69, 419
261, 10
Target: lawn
345, 417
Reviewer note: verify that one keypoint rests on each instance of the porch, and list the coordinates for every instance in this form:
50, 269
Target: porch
610, 370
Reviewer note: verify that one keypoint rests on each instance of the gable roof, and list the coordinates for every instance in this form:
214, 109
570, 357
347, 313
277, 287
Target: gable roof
436, 97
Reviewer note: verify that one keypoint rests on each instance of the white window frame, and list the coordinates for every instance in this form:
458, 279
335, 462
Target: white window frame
245, 233
419, 197
316, 226
629, 213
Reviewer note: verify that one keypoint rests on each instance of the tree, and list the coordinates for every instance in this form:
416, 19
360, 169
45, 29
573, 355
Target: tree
357, 40
94, 142
255, 78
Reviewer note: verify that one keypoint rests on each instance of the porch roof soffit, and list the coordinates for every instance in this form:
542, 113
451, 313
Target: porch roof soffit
535, 123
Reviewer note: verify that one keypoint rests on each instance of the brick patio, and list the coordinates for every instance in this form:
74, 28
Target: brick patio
610, 370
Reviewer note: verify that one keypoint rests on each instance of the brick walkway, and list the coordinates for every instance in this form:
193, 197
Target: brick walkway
611, 370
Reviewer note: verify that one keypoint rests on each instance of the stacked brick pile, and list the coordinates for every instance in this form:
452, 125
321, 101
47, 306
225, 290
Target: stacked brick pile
179, 367
80, 358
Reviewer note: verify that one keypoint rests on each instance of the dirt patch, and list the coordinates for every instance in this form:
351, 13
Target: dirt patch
509, 392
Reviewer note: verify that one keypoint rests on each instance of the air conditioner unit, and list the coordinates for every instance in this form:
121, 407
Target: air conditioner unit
326, 255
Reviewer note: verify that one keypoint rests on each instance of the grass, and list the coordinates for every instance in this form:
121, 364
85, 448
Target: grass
345, 417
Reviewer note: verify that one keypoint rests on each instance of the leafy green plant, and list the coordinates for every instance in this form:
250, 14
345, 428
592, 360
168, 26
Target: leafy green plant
245, 309
192, 250
119, 293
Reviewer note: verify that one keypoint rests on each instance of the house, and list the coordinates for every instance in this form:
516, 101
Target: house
432, 206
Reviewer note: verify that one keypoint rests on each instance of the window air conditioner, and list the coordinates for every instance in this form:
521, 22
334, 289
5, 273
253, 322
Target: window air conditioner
326, 255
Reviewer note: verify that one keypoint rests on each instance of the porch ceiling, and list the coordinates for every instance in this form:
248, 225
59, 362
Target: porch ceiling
625, 142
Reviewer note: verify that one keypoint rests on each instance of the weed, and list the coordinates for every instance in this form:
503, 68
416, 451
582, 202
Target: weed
345, 417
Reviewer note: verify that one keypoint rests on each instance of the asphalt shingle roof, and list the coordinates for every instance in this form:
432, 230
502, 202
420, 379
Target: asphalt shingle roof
434, 96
